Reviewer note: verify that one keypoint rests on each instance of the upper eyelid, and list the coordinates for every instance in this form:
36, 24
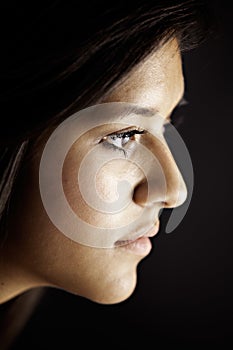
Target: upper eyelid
121, 131
124, 131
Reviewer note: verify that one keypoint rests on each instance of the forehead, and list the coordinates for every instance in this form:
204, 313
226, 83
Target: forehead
157, 82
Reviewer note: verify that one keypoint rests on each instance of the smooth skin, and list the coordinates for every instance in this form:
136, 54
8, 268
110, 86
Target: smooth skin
36, 253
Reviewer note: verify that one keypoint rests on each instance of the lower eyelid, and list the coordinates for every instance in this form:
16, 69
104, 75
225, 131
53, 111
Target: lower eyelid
111, 147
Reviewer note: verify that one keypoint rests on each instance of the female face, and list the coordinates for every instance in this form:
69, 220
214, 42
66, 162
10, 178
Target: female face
38, 253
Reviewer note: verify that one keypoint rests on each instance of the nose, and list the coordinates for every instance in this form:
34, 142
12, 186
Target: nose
165, 187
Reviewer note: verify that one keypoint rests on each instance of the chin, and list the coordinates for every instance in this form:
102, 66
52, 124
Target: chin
114, 291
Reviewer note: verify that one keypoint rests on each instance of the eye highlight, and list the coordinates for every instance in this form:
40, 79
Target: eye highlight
119, 140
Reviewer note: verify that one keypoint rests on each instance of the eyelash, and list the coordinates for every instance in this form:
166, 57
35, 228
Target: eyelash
108, 141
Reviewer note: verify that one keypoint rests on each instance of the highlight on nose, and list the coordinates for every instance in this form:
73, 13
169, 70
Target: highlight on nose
157, 193
177, 195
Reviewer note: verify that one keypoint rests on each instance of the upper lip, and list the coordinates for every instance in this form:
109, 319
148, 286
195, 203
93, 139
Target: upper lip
151, 232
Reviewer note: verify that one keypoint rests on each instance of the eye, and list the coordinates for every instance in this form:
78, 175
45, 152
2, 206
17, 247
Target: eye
121, 139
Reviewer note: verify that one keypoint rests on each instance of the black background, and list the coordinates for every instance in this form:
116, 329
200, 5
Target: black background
184, 293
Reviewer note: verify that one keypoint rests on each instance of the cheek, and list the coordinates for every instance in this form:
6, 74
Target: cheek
116, 179
99, 188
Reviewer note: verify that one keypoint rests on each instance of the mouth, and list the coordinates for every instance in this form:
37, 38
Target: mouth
151, 232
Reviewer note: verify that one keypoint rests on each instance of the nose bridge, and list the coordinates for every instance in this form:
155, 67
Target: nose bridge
166, 186
176, 191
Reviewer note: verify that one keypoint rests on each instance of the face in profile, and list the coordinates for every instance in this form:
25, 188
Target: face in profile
112, 162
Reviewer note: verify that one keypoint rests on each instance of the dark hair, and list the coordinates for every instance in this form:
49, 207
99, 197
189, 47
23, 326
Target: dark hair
62, 56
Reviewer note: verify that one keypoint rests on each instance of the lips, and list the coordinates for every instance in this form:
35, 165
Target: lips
148, 233
153, 231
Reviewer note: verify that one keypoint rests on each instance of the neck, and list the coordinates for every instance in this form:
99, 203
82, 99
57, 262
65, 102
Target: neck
15, 281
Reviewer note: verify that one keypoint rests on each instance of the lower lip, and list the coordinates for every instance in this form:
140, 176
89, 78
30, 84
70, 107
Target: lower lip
141, 246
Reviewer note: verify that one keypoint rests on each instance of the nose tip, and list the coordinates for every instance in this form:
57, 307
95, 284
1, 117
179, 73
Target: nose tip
172, 195
177, 195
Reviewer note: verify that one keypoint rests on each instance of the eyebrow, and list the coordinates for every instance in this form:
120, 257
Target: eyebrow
149, 112
137, 110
